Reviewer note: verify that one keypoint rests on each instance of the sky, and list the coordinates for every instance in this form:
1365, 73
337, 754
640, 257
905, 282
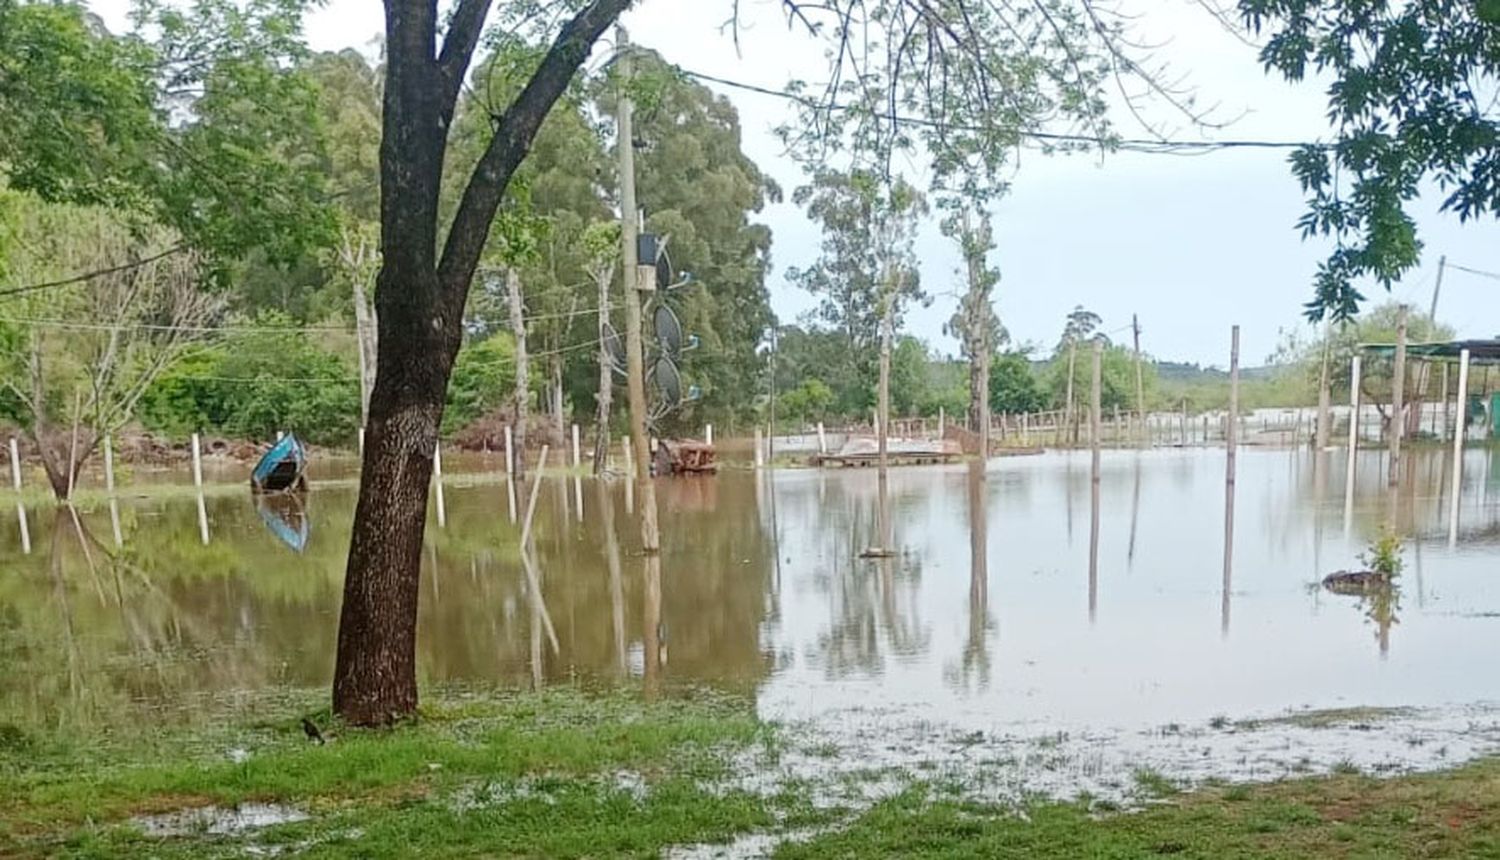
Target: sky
1192, 244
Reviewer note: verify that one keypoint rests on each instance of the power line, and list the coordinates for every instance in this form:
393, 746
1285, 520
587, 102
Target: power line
1161, 146
245, 329
1480, 272
97, 273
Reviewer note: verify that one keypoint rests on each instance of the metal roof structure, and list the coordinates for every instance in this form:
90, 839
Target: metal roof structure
1480, 351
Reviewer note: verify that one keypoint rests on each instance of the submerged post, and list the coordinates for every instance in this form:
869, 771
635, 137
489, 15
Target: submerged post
197, 464
1445, 401
1458, 447
708, 433
109, 466
437, 483
1398, 392
577, 451
510, 456
822, 440
759, 454
1353, 445
25, 527
15, 464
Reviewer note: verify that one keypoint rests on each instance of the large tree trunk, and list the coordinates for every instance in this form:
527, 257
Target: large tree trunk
523, 370
375, 680
420, 298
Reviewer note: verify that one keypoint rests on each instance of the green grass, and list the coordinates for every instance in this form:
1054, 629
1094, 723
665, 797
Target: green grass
1452, 814
556, 774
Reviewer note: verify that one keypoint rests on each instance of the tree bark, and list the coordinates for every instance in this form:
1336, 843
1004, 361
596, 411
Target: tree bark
523, 369
420, 300
978, 333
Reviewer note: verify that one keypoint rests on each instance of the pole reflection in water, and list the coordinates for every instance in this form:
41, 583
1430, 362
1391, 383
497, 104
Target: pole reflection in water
616, 580
114, 521
578, 495
1094, 549
24, 527
1135, 512
653, 632
976, 659
202, 519
540, 619
510, 496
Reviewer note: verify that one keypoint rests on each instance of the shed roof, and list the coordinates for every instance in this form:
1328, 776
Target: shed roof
1480, 351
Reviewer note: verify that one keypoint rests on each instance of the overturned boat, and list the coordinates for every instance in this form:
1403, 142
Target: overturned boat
282, 468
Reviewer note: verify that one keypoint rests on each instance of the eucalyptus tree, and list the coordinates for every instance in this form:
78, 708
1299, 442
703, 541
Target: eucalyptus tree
977, 325
200, 120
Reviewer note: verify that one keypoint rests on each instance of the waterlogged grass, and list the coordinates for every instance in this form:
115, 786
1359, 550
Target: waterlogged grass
1451, 814
553, 774
570, 774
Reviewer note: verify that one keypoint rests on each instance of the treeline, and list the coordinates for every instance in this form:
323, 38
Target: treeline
148, 306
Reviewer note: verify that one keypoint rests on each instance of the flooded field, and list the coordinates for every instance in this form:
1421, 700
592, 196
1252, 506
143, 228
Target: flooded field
1010, 625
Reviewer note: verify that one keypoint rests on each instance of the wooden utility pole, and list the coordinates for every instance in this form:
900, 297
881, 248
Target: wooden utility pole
523, 389
602, 276
1398, 393
1140, 384
1437, 287
635, 361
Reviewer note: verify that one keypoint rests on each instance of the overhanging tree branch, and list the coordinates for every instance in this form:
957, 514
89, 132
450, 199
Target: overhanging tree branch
458, 45
514, 132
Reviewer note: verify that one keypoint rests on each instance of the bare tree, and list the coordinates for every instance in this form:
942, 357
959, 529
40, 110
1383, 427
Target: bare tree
89, 351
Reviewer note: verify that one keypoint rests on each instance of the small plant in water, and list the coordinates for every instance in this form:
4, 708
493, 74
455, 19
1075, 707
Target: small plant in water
1384, 555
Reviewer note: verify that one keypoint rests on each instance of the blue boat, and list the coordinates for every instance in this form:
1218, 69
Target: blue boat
281, 468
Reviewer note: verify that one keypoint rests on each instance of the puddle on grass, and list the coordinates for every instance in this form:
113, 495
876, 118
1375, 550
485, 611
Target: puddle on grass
218, 820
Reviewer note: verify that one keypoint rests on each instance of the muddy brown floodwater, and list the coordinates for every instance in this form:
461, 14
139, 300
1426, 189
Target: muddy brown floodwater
989, 630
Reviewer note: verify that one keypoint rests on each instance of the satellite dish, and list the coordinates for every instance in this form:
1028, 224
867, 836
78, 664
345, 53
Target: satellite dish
668, 330
667, 381
615, 347
665, 275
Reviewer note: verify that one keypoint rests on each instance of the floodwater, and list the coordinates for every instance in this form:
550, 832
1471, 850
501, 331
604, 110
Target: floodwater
1008, 611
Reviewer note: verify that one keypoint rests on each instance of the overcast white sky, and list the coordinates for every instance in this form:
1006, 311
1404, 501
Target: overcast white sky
1194, 244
